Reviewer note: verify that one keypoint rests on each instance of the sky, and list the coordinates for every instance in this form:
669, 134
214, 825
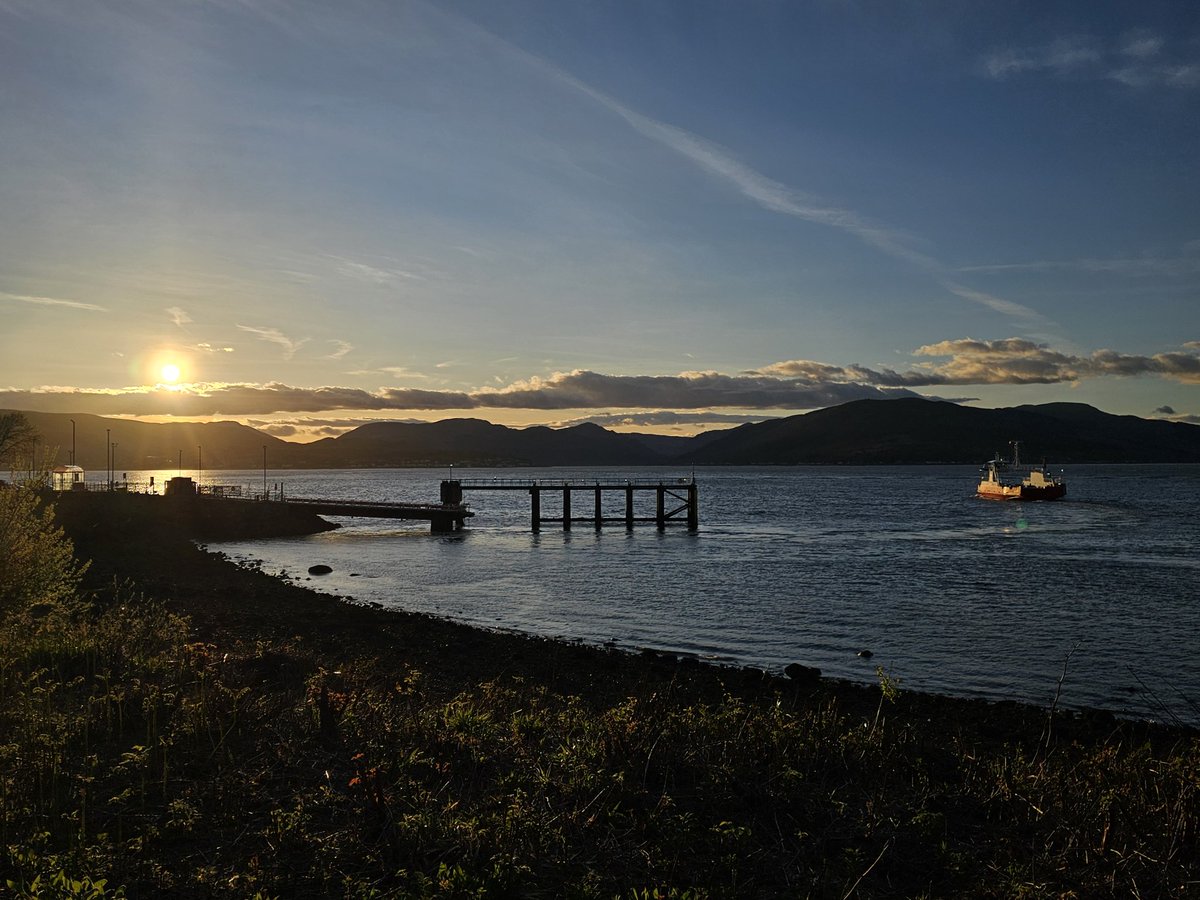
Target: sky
670, 216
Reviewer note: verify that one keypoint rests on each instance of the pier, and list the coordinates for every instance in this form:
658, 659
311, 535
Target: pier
442, 517
675, 501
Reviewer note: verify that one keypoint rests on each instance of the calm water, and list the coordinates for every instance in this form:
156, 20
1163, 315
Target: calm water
951, 594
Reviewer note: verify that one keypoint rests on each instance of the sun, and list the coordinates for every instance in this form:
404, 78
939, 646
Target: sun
170, 373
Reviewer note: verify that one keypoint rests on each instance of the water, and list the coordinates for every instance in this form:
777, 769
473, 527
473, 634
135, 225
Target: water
951, 594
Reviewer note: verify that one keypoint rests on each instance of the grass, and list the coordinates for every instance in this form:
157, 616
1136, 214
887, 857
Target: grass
207, 732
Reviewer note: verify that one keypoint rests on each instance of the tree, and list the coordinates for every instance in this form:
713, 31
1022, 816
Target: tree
37, 561
17, 436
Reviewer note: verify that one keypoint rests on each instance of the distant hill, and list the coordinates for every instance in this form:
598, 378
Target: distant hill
146, 445
906, 430
477, 443
912, 430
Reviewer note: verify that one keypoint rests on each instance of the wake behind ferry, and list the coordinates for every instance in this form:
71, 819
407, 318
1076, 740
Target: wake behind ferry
997, 483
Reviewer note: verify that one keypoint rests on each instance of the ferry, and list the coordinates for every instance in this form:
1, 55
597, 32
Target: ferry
996, 484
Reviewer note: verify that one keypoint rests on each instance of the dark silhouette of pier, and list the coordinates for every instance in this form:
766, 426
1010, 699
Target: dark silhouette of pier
675, 501
442, 517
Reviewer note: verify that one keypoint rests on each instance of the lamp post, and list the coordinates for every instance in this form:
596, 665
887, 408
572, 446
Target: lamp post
114, 460
199, 464
180, 472
108, 456
72, 441
264, 471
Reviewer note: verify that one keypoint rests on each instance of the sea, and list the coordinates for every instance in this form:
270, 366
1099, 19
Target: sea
858, 571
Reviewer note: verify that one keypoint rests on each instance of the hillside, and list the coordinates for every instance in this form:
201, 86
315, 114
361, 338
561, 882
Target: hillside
862, 432
926, 431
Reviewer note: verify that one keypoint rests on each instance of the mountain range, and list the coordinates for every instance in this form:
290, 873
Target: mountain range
863, 432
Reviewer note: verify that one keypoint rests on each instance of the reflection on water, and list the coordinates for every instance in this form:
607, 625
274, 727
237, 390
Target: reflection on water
952, 594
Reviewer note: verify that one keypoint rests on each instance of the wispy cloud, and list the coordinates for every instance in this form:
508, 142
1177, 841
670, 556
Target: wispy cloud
776, 196
397, 372
360, 271
342, 348
1139, 59
275, 336
205, 347
1137, 266
52, 301
179, 316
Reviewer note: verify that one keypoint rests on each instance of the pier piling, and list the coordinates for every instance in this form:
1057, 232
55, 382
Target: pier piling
675, 502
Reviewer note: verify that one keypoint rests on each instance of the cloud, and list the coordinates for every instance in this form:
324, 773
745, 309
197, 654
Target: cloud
206, 347
1142, 45
571, 390
343, 347
1019, 361
1009, 361
790, 385
1061, 56
275, 336
1136, 61
1169, 413
360, 271
766, 192
660, 417
178, 316
1180, 266
318, 428
53, 301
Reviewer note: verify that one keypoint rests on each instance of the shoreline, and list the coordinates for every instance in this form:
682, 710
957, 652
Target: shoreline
192, 578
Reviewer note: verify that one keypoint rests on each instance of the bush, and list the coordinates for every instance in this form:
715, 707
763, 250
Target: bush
37, 564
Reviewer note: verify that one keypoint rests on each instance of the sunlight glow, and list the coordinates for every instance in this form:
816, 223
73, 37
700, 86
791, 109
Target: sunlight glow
170, 373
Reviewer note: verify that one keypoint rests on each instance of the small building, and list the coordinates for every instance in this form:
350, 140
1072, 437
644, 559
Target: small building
67, 478
181, 487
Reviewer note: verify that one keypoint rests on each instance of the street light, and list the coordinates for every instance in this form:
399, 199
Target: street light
108, 456
264, 471
199, 464
72, 421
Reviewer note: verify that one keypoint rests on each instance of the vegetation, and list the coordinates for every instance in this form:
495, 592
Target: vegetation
235, 736
17, 437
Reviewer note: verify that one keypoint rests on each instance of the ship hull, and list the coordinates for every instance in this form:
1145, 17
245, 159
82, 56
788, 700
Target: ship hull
1021, 492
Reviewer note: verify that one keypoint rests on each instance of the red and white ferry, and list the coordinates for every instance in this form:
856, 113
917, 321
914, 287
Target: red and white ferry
996, 482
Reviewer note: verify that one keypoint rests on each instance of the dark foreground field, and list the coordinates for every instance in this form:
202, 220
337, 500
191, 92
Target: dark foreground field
188, 728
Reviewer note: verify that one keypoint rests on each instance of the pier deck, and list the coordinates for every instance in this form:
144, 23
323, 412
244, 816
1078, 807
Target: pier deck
441, 516
676, 500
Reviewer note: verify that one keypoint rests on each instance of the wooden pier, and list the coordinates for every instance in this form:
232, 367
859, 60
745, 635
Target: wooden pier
675, 501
